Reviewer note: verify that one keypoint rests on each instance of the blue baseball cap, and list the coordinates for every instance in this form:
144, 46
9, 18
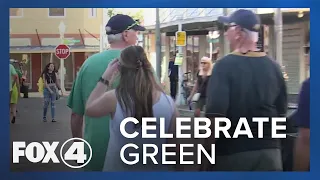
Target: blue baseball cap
243, 18
120, 23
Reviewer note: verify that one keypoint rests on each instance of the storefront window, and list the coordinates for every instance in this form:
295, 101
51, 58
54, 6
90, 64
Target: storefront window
26, 67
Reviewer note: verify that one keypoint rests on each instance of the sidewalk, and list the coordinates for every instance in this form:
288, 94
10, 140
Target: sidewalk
38, 94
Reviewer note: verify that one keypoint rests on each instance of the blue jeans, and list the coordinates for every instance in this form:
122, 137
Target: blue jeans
49, 99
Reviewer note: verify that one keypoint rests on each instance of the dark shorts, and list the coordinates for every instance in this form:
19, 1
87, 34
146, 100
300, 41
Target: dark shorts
201, 103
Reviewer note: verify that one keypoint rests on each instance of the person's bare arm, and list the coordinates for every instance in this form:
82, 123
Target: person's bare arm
76, 125
194, 90
58, 85
302, 150
101, 103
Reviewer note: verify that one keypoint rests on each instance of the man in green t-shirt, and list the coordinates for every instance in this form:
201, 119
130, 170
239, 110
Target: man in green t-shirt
122, 32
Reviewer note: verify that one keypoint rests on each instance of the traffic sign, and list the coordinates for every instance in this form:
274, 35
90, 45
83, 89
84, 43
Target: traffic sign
62, 51
71, 41
178, 60
181, 38
213, 40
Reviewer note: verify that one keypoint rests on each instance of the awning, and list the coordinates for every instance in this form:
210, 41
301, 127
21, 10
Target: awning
50, 49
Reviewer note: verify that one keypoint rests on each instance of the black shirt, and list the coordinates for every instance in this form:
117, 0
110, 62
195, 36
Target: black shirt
202, 85
174, 70
246, 85
51, 77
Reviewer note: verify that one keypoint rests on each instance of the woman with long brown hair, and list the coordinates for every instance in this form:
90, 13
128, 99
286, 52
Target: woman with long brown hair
50, 91
138, 95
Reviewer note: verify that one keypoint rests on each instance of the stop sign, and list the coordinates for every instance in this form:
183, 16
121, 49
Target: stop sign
62, 51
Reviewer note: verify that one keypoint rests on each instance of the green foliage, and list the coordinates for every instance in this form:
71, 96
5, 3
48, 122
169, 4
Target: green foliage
136, 15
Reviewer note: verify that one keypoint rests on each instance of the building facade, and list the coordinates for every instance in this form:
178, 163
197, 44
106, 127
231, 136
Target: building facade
35, 32
198, 22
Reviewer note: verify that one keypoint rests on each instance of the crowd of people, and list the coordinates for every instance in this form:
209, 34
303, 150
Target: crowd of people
245, 83
120, 82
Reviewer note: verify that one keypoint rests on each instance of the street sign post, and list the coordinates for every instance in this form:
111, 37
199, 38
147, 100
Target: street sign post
179, 59
62, 51
71, 41
181, 38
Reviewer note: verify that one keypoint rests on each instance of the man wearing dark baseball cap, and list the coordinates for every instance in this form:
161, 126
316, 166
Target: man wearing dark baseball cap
246, 83
122, 32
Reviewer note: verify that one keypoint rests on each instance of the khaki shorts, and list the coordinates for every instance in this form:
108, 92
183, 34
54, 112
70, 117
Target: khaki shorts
201, 103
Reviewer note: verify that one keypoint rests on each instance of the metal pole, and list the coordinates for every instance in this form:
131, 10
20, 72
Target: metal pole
158, 44
180, 99
226, 45
62, 73
210, 44
62, 30
278, 34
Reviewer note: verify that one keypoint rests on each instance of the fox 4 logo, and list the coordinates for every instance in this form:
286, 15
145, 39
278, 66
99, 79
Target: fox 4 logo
36, 152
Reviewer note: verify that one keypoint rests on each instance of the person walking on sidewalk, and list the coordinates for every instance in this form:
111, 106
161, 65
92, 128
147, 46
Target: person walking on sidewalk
302, 118
14, 91
122, 31
199, 91
50, 91
173, 72
246, 83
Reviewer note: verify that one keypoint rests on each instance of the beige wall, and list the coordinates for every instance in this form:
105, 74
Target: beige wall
38, 18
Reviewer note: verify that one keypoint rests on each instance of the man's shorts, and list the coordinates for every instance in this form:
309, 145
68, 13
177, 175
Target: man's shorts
201, 103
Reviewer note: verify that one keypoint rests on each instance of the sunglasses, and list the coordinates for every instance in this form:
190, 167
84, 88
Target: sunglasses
203, 63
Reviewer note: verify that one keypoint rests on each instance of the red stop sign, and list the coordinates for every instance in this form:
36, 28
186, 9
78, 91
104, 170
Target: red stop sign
62, 51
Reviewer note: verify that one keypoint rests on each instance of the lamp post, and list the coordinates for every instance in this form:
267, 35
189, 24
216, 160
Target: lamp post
62, 30
212, 38
180, 99
158, 44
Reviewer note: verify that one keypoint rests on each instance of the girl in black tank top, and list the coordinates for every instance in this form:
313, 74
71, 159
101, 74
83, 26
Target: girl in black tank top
50, 91
51, 78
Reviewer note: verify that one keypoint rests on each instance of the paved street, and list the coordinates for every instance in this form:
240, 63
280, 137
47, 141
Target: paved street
29, 127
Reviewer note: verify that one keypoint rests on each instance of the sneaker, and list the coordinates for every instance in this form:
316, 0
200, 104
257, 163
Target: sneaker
53, 120
44, 120
13, 120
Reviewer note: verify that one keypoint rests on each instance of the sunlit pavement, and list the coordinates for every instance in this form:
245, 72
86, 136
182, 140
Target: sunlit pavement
29, 127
